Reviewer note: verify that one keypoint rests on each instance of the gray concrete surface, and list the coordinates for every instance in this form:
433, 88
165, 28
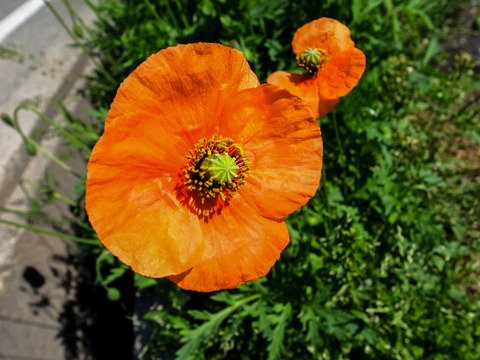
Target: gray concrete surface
35, 63
34, 291
7, 6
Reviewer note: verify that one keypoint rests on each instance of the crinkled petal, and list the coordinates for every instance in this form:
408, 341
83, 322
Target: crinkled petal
283, 143
160, 111
139, 219
241, 245
341, 74
324, 33
131, 200
184, 84
142, 143
305, 87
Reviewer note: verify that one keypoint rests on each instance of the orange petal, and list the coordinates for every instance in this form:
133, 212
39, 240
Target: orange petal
284, 146
184, 84
305, 87
140, 220
324, 33
299, 85
340, 75
159, 112
241, 246
143, 144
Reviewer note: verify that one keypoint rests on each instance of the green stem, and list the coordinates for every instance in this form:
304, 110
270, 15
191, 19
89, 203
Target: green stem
56, 195
337, 134
42, 230
30, 141
328, 223
246, 300
153, 10
76, 19
59, 19
91, 5
172, 14
181, 11
105, 282
43, 217
60, 197
68, 134
87, 50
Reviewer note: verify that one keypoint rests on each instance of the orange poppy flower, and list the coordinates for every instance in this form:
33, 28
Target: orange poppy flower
198, 167
331, 63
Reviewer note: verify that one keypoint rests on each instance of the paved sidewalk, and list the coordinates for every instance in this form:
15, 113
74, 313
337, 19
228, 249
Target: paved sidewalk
37, 277
35, 270
36, 63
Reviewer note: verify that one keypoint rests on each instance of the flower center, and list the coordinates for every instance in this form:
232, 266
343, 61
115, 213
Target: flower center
215, 169
220, 167
311, 59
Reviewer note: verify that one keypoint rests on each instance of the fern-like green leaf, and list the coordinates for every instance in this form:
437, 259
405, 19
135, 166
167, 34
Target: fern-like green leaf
194, 338
275, 348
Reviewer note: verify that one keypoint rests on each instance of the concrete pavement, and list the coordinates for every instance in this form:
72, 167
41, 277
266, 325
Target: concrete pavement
35, 63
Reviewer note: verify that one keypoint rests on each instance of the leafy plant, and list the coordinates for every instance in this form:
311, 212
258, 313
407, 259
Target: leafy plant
383, 262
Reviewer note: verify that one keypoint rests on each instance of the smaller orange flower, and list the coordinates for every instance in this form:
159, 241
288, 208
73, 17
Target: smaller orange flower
331, 63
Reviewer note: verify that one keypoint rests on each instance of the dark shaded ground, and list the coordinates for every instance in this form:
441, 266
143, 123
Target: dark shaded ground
94, 327
52, 309
64, 303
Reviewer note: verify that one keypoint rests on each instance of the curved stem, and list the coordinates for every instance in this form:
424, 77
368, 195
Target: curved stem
42, 230
29, 141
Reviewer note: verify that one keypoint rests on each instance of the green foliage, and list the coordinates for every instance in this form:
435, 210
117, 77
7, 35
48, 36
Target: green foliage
128, 31
105, 260
383, 261
194, 338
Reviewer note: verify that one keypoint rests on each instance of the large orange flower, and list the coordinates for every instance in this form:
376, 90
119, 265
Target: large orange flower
331, 63
198, 167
